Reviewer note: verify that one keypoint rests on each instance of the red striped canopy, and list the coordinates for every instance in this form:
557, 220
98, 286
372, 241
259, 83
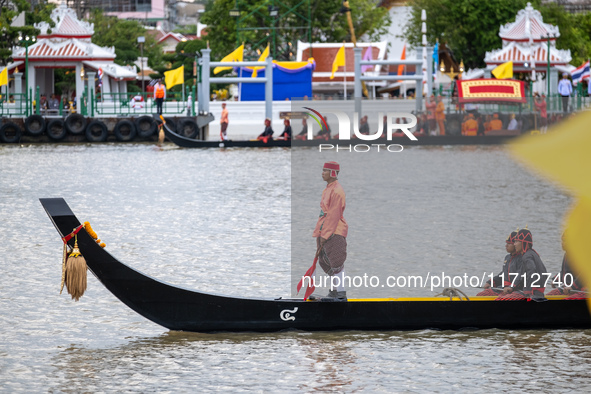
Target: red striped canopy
487, 90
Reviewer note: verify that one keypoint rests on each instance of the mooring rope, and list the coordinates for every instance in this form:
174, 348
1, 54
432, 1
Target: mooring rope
452, 292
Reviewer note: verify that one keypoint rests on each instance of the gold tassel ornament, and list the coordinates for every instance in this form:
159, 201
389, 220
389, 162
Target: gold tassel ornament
75, 273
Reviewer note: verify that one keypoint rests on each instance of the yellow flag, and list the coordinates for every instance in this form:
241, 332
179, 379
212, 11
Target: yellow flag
262, 58
503, 71
4, 76
339, 61
236, 56
563, 156
174, 77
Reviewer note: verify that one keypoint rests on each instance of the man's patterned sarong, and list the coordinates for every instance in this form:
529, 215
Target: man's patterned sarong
333, 254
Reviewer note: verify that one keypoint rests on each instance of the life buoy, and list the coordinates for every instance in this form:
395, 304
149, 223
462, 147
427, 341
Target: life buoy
56, 129
10, 133
145, 126
187, 127
35, 125
75, 124
96, 131
125, 130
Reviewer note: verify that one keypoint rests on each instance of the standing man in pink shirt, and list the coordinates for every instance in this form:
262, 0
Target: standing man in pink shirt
331, 232
224, 123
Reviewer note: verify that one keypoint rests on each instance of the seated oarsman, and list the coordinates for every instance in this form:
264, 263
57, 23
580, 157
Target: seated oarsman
323, 134
533, 271
304, 132
511, 267
569, 283
268, 133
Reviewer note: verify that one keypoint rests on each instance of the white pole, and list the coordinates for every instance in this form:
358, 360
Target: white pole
345, 79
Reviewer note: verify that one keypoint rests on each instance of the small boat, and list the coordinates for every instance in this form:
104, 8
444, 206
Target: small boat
397, 138
185, 310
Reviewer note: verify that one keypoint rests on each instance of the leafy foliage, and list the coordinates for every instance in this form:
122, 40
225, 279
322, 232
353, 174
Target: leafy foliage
471, 28
327, 25
122, 35
10, 9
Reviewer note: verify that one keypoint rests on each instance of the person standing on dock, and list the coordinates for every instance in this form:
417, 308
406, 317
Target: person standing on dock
224, 123
565, 89
440, 115
159, 95
331, 231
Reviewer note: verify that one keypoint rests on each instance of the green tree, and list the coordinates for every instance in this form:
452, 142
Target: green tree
471, 28
184, 55
328, 25
468, 27
9, 10
122, 35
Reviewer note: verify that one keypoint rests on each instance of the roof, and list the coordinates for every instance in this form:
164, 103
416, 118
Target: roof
324, 54
528, 26
67, 25
71, 49
521, 53
113, 70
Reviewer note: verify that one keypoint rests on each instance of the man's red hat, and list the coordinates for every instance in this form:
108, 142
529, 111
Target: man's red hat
333, 166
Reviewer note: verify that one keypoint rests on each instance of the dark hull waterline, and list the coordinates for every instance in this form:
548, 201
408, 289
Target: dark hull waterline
185, 142
185, 310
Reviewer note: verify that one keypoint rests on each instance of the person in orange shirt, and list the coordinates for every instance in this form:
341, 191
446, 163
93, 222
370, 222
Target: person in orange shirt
431, 105
496, 123
331, 232
470, 126
224, 123
440, 115
159, 95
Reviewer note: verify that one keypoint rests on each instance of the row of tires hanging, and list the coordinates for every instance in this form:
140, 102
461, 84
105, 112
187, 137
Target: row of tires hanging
94, 130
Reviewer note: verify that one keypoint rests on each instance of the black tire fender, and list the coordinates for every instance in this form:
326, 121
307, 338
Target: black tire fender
96, 131
56, 129
10, 133
35, 125
75, 124
125, 130
187, 127
145, 126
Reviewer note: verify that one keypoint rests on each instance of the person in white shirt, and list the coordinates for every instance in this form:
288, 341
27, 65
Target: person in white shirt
513, 125
189, 105
565, 89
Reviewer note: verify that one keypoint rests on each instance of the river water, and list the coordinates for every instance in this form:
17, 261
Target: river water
221, 221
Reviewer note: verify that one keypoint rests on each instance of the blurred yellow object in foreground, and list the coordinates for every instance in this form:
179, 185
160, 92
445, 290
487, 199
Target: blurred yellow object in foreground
564, 156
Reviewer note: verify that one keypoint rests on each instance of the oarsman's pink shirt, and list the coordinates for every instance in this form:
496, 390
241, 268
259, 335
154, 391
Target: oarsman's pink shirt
332, 204
224, 117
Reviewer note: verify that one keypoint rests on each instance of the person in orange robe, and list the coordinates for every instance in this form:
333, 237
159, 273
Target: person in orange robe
470, 126
440, 115
496, 123
331, 231
224, 123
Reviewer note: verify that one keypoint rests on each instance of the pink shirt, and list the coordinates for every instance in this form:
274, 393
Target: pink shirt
224, 117
332, 205
431, 105
541, 106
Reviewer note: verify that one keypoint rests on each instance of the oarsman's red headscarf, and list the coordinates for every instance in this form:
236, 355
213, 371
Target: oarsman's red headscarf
526, 239
511, 237
333, 166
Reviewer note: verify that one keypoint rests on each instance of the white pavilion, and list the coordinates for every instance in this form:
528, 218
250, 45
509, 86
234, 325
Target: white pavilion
527, 42
68, 45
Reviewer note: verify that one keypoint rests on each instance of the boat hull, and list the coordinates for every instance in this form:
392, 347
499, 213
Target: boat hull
185, 142
186, 310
